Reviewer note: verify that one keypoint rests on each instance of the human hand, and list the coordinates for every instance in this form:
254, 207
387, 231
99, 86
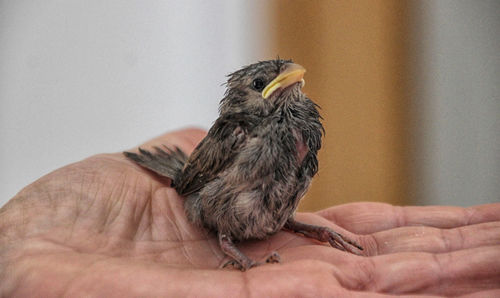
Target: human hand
106, 227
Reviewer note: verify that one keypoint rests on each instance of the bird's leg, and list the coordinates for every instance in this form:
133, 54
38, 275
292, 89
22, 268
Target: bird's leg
324, 234
239, 259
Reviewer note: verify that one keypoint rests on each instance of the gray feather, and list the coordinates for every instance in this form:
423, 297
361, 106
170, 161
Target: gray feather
165, 162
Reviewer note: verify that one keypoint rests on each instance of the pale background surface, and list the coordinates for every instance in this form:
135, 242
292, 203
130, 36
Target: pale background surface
456, 106
84, 77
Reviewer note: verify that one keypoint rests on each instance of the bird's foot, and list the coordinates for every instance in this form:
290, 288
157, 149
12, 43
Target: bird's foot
248, 263
325, 234
339, 241
274, 257
242, 266
238, 259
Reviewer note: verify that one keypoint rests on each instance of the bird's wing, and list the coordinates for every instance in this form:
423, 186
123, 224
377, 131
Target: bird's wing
216, 152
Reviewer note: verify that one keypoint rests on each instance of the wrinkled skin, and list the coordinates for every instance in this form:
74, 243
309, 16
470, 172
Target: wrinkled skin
105, 227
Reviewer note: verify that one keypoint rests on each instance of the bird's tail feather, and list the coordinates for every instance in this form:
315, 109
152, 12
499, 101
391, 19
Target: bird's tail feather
163, 161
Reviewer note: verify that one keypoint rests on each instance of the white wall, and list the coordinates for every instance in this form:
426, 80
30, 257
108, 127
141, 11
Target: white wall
457, 107
83, 77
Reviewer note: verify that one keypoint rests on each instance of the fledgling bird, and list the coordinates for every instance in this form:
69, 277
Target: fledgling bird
246, 177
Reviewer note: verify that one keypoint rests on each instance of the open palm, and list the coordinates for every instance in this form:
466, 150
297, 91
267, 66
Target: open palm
106, 227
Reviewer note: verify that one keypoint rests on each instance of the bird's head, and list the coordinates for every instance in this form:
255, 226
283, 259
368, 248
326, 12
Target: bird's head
259, 88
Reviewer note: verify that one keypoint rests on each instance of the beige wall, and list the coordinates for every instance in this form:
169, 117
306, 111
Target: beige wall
355, 55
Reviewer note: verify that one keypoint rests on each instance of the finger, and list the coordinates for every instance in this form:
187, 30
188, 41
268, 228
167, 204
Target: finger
450, 274
430, 239
482, 294
186, 139
299, 278
366, 218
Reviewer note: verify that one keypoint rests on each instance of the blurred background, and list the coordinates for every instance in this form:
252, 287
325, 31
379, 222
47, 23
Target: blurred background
409, 89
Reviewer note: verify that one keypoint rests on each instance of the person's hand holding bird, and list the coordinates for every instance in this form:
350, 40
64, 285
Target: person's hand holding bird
104, 227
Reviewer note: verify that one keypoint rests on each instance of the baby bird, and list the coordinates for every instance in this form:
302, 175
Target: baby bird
246, 177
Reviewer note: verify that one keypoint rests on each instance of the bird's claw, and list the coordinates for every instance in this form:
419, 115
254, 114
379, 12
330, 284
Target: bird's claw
273, 258
237, 265
325, 234
340, 242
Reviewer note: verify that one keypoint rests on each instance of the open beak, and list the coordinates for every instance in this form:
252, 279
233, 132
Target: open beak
292, 74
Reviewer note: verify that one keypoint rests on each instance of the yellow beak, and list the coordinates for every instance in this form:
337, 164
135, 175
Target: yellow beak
292, 74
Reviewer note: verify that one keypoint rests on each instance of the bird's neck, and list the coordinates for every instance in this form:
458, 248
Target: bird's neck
302, 116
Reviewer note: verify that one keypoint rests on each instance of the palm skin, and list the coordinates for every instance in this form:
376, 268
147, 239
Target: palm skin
105, 227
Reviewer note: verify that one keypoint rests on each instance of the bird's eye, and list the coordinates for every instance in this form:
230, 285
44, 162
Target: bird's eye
258, 84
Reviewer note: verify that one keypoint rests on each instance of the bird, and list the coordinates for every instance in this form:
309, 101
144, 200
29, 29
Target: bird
245, 179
